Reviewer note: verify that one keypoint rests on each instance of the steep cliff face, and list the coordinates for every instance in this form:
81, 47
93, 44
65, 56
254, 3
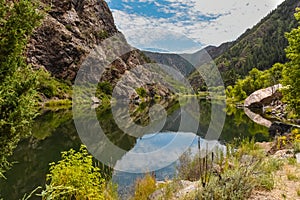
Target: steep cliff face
71, 30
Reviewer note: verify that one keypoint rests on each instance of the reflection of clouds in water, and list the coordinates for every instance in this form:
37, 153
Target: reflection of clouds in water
168, 152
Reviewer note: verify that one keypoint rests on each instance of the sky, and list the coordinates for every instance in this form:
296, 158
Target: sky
186, 25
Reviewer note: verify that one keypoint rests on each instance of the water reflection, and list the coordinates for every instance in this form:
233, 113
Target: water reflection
54, 131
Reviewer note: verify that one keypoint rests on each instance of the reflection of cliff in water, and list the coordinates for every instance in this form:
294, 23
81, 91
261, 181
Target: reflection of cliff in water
114, 143
54, 131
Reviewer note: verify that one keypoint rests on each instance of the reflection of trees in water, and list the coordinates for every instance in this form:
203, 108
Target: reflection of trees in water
33, 155
239, 125
56, 132
139, 113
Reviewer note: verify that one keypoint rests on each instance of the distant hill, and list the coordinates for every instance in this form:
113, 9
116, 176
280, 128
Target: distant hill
186, 63
259, 47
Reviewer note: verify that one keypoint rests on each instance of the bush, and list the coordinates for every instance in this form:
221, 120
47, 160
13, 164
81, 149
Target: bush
232, 175
254, 81
104, 90
291, 72
75, 177
141, 92
144, 187
51, 87
18, 81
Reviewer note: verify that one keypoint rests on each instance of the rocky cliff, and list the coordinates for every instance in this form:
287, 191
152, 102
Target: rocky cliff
70, 31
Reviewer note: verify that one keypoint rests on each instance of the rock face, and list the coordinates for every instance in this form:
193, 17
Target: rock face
262, 97
70, 31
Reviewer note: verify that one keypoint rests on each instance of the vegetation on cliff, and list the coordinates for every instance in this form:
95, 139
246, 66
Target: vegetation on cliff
259, 47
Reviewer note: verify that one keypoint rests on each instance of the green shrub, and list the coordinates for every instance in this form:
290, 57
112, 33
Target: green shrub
104, 89
75, 177
144, 187
18, 96
103, 34
292, 177
141, 92
58, 103
232, 175
254, 81
291, 70
51, 87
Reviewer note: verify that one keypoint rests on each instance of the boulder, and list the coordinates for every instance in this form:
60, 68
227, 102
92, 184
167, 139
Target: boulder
263, 96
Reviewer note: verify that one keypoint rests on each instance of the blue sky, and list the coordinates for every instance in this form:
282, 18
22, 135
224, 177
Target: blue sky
186, 25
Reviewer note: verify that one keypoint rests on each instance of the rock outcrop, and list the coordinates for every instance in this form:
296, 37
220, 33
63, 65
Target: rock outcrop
263, 97
70, 31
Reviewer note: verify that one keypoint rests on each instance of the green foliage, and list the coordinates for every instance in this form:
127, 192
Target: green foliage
291, 71
296, 146
235, 174
17, 79
141, 92
188, 168
104, 90
75, 177
52, 87
292, 177
259, 47
60, 103
103, 34
287, 73
254, 81
144, 187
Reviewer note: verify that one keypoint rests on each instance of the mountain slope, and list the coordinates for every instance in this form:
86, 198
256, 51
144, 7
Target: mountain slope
259, 47
186, 63
71, 31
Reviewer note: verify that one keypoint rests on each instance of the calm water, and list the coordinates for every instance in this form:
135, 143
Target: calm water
54, 131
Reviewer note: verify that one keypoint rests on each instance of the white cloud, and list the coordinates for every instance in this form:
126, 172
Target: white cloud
234, 17
161, 150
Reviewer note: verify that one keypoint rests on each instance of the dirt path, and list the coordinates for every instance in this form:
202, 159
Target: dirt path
287, 185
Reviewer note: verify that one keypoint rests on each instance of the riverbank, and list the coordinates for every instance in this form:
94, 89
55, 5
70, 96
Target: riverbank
253, 171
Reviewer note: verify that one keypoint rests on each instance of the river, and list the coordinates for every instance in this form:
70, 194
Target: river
55, 131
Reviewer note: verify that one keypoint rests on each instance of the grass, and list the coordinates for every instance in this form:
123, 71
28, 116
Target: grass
292, 177
144, 188
292, 161
51, 87
298, 192
296, 147
228, 176
58, 103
